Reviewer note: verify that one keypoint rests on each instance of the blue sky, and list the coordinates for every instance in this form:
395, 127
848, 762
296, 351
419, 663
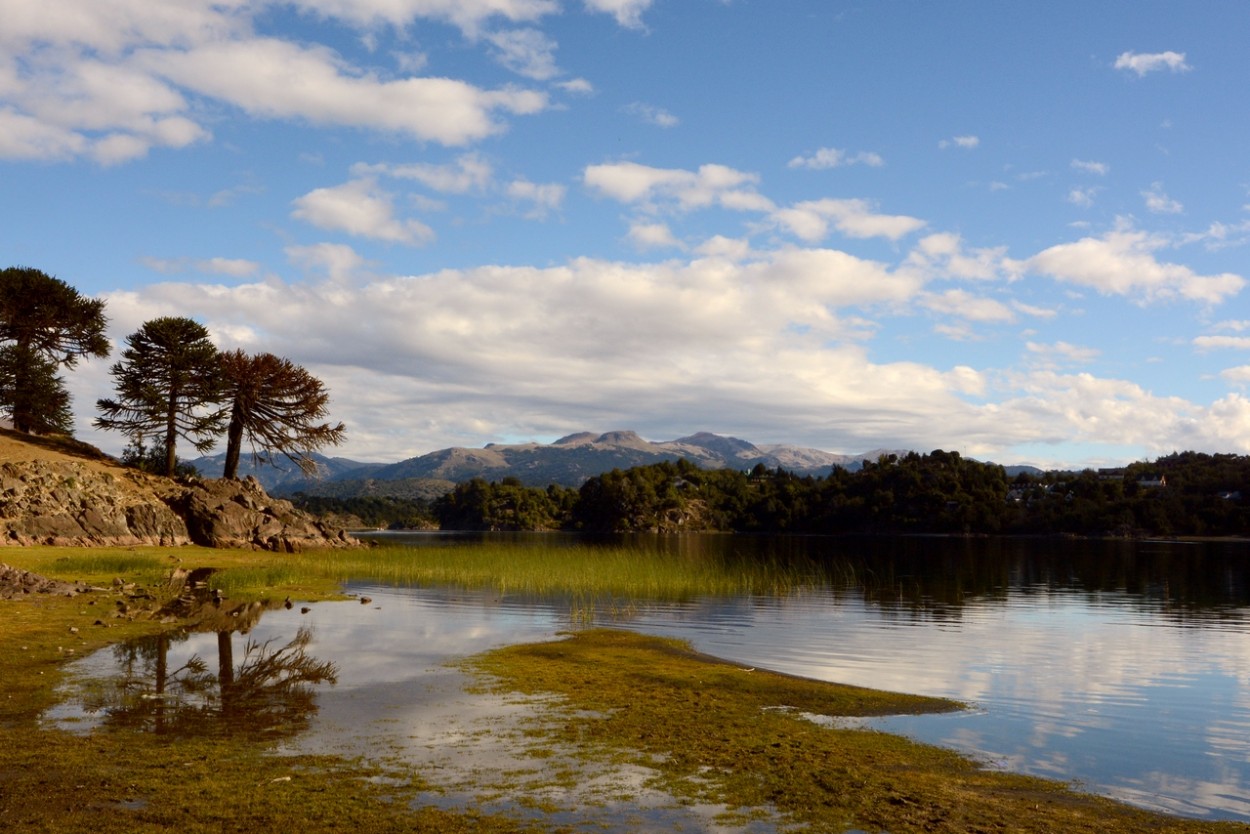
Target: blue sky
1016, 231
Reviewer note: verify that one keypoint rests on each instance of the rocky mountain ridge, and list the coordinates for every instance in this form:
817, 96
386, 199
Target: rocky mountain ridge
568, 461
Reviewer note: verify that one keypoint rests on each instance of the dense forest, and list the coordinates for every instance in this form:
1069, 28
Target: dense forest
1189, 494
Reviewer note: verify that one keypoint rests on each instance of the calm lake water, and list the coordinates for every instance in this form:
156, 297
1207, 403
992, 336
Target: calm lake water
1124, 667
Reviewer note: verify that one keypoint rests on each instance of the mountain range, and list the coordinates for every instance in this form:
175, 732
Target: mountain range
569, 461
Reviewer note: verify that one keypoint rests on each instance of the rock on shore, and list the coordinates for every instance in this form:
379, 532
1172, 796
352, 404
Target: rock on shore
50, 497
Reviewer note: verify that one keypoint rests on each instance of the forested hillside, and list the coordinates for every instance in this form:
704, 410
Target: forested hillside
1189, 493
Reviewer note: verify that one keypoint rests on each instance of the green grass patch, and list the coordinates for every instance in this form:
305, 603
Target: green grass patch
718, 733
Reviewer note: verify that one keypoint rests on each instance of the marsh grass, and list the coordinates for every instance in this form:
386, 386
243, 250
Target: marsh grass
712, 733
613, 575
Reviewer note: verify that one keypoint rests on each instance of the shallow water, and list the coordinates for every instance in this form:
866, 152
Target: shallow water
1124, 668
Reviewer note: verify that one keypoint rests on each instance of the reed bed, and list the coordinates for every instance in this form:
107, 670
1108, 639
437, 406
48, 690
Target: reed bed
591, 575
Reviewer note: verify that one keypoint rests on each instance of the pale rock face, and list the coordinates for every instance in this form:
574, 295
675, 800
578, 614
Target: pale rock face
66, 502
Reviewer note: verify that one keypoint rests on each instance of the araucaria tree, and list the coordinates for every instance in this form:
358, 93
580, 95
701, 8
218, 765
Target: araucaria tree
45, 325
274, 404
168, 386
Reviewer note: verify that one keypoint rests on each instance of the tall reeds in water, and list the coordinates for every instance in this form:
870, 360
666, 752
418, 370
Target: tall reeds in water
597, 579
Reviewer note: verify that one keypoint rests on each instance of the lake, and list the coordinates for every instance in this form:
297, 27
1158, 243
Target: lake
1122, 666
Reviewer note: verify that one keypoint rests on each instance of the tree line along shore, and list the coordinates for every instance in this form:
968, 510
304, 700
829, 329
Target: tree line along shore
1182, 494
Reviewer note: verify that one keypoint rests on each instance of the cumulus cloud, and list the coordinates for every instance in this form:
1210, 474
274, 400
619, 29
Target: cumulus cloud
362, 209
1142, 63
811, 220
772, 337
1124, 262
836, 158
274, 79
653, 236
1238, 376
965, 305
943, 255
675, 188
542, 198
110, 80
1222, 342
338, 261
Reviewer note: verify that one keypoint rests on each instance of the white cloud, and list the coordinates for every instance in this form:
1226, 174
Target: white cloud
965, 142
1123, 262
675, 188
1062, 353
965, 305
1238, 376
109, 79
1159, 202
1221, 235
1091, 167
810, 220
577, 86
1222, 342
628, 13
653, 236
274, 79
1144, 62
943, 255
469, 15
1083, 197
469, 172
1035, 311
337, 260
542, 198
362, 209
651, 114
527, 52
836, 158
26, 137
772, 338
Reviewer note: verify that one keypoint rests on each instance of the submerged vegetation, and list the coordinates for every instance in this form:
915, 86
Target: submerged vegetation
708, 732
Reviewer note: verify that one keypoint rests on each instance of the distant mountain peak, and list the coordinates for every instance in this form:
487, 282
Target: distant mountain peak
569, 461
731, 447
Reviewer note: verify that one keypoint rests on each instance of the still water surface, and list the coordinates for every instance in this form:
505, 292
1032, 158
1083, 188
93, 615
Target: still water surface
1122, 666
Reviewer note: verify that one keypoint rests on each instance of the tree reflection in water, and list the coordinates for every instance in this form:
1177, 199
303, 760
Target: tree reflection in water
269, 692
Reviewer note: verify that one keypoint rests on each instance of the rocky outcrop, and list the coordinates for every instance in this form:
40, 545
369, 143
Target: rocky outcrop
71, 502
222, 513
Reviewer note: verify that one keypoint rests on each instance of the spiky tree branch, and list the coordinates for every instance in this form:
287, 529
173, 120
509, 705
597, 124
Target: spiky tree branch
168, 385
274, 405
45, 324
